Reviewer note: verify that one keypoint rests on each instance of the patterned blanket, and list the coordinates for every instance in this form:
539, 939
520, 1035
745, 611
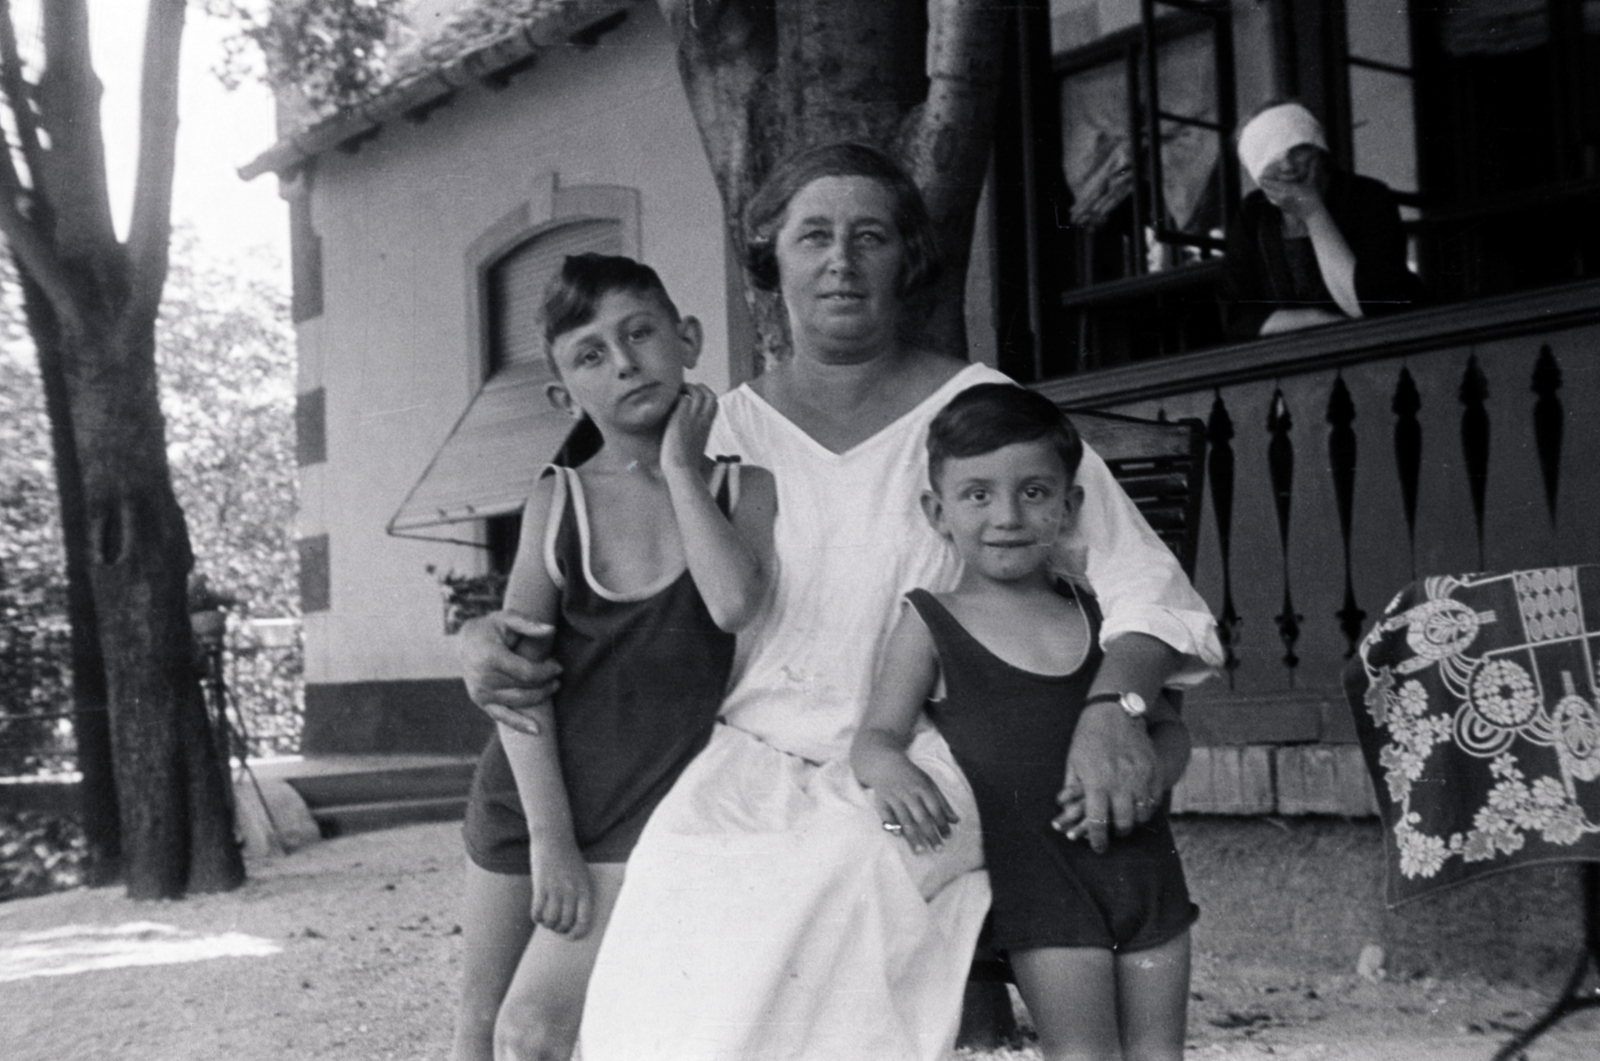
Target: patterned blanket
1475, 703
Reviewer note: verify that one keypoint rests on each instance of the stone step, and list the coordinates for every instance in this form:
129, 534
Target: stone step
391, 784
347, 818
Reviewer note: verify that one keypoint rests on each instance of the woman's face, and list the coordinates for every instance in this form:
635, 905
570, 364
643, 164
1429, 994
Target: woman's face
839, 264
1300, 165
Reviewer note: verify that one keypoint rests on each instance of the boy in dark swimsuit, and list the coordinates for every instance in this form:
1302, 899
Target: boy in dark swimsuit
640, 563
1099, 942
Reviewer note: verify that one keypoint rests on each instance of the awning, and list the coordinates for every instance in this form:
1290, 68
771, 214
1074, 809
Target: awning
491, 458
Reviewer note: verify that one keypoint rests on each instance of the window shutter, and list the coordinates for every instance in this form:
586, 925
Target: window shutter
517, 281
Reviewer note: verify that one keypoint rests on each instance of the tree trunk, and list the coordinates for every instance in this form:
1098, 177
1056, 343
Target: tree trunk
91, 722
177, 829
918, 79
100, 296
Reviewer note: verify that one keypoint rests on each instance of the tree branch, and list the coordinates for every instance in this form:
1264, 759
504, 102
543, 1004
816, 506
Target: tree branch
18, 97
24, 212
73, 170
151, 229
725, 60
945, 141
39, 259
944, 145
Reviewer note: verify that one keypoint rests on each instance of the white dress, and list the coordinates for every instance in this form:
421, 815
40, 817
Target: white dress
766, 914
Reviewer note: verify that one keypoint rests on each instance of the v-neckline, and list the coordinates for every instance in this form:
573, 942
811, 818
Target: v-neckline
839, 456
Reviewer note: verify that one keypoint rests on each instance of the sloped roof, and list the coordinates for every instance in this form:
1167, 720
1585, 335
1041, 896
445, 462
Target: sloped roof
488, 43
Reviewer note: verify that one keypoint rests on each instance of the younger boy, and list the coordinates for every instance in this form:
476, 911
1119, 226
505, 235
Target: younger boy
643, 561
1099, 942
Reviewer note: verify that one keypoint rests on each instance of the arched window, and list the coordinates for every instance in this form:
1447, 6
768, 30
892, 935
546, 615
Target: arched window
482, 473
516, 285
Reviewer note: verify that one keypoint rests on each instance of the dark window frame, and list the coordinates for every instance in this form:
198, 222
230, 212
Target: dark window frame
1060, 340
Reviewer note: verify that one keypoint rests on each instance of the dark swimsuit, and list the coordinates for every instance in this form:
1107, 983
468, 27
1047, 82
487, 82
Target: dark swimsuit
1009, 730
641, 684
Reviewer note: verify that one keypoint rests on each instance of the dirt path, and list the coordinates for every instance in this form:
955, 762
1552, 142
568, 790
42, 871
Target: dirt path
370, 955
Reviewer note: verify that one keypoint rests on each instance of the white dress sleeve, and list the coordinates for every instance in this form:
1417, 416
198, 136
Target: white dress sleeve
1137, 579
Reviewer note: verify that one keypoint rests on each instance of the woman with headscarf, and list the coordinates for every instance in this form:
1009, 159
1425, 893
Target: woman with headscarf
1313, 244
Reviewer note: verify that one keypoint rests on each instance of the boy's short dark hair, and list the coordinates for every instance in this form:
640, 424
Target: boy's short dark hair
992, 416
573, 295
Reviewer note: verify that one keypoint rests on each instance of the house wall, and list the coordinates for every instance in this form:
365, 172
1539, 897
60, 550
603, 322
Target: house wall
398, 221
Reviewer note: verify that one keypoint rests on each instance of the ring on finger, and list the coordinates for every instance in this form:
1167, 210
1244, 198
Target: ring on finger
893, 827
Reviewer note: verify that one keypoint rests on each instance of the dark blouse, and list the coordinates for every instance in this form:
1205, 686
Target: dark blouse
1264, 271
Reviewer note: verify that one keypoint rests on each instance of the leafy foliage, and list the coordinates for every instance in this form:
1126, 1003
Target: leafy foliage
469, 596
39, 853
225, 351
33, 625
335, 52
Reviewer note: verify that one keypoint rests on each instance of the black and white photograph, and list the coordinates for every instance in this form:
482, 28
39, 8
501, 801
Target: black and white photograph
799, 530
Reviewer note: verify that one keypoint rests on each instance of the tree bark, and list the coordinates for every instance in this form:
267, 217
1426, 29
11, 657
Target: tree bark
916, 78
176, 825
91, 721
102, 299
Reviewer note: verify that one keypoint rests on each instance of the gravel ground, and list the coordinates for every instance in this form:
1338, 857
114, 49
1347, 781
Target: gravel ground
370, 954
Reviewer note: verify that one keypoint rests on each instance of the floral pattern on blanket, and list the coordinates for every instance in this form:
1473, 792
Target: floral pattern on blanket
1475, 703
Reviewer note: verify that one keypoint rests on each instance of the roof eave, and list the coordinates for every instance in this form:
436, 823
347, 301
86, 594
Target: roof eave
415, 97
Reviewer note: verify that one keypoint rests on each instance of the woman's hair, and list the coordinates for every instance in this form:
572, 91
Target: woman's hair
765, 213
573, 295
992, 416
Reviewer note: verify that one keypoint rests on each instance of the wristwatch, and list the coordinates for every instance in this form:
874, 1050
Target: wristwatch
1132, 704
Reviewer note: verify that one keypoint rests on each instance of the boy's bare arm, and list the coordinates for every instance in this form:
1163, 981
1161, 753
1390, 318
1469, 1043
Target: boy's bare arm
904, 795
563, 895
728, 560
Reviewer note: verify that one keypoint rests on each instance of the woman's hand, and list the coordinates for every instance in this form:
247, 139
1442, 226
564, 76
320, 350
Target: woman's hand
499, 680
684, 443
563, 893
1113, 765
1070, 821
1300, 199
907, 797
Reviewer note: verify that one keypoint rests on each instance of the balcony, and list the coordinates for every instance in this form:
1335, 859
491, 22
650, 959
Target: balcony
1344, 462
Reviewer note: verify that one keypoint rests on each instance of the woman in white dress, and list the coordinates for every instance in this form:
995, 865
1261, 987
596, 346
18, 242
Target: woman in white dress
768, 912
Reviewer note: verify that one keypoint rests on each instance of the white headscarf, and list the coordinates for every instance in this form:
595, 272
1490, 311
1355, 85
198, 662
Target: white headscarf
1274, 133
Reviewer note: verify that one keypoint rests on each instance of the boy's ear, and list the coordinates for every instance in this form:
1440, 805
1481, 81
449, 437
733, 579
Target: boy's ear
1073, 500
558, 396
692, 335
933, 509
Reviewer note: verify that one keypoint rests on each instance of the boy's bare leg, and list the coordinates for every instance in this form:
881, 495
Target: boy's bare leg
1071, 994
1153, 1001
495, 928
544, 1005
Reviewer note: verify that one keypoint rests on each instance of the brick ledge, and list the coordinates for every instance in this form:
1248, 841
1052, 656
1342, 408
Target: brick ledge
1291, 779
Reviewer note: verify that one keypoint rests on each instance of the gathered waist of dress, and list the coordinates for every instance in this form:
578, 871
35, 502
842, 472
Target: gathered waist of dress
792, 721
